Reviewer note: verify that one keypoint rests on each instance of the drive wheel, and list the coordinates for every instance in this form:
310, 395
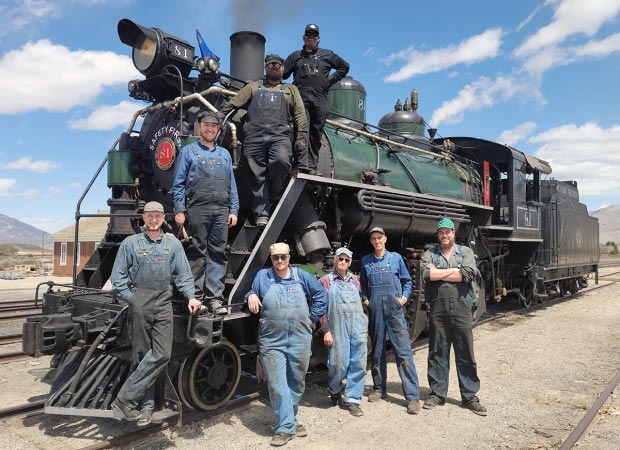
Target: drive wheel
210, 378
526, 294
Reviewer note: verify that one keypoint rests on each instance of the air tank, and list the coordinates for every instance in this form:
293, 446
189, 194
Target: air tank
347, 98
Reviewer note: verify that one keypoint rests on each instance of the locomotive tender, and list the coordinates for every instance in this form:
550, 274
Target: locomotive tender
531, 235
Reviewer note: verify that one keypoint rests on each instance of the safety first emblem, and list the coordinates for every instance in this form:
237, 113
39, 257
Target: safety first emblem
165, 153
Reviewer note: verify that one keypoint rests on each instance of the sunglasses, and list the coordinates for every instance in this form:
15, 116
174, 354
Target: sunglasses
347, 260
279, 257
312, 35
274, 65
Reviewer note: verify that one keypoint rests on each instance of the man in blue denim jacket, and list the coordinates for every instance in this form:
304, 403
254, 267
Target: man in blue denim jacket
386, 286
447, 270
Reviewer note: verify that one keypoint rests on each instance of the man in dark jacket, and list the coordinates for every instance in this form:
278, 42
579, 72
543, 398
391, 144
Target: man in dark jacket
311, 67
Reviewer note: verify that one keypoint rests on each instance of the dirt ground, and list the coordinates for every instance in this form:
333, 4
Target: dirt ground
540, 373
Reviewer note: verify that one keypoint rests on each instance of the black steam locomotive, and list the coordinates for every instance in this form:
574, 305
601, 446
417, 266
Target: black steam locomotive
532, 237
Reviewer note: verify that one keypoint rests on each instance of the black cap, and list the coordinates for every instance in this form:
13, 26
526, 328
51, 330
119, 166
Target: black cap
312, 27
208, 117
273, 57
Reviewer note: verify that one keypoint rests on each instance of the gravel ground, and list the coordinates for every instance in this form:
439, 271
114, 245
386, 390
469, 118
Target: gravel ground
540, 373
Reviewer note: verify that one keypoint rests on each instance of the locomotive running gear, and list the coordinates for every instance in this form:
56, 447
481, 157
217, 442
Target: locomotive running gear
205, 183
285, 337
349, 327
450, 323
311, 75
149, 267
445, 223
384, 280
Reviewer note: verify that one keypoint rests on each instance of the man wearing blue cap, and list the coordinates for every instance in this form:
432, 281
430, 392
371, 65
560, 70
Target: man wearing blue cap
447, 271
386, 286
346, 335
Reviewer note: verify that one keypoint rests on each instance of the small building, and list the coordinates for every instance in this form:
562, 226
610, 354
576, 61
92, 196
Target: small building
91, 233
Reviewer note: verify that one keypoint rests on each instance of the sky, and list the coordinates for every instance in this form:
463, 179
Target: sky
538, 75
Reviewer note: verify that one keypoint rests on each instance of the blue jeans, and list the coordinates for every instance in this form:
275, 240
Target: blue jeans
450, 323
209, 226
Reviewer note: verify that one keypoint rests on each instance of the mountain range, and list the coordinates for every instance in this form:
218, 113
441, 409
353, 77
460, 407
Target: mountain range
609, 223
13, 231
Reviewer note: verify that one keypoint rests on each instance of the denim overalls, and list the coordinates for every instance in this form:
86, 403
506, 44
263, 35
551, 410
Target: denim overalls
285, 336
386, 314
349, 328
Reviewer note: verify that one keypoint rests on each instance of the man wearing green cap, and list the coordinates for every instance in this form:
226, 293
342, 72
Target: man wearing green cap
447, 271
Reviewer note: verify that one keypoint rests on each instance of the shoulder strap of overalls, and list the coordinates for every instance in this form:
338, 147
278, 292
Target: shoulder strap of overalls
459, 255
260, 84
295, 274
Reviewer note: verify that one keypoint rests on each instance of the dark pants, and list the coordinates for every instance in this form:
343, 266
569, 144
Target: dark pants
270, 165
151, 346
208, 225
317, 108
450, 323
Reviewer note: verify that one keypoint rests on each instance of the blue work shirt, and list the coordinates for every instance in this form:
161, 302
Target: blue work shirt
312, 288
127, 263
186, 167
397, 266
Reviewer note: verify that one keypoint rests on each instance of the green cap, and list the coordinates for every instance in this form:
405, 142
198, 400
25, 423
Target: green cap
445, 223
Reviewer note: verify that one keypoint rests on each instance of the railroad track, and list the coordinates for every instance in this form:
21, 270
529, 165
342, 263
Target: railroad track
11, 338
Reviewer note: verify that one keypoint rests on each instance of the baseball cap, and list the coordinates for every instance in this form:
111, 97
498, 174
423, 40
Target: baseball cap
208, 117
273, 57
344, 250
376, 230
312, 27
445, 223
279, 248
153, 207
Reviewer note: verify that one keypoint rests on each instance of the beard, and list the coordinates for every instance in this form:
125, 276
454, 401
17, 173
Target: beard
273, 78
153, 227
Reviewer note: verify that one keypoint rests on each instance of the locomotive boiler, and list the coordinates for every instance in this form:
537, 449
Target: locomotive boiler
531, 235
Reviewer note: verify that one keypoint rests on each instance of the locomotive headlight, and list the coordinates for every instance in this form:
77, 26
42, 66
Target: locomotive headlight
207, 65
153, 49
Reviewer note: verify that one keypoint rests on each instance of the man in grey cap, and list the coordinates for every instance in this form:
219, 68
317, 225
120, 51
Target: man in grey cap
205, 194
346, 334
146, 266
386, 286
311, 67
275, 117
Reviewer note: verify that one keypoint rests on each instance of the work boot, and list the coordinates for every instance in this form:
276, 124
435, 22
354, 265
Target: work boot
433, 401
218, 308
413, 407
279, 439
124, 412
147, 415
335, 398
301, 431
475, 407
375, 396
354, 409
262, 222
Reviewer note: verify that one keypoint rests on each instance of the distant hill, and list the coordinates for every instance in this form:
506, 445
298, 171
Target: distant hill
13, 231
609, 223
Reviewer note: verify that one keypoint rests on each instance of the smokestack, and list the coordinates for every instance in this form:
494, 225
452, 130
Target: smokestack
247, 55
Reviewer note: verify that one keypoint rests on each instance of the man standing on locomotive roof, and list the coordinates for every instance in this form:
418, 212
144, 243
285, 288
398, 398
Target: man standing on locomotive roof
272, 107
281, 295
386, 286
146, 266
204, 189
448, 270
311, 68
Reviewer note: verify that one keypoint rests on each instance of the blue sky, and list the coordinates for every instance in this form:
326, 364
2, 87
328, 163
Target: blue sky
539, 75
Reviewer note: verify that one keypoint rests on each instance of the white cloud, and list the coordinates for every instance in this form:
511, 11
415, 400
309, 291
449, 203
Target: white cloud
46, 223
75, 184
10, 188
587, 153
571, 17
108, 117
475, 49
23, 13
482, 93
520, 132
63, 78
42, 166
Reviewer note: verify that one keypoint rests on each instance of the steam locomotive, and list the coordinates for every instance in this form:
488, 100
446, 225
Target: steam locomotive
532, 237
